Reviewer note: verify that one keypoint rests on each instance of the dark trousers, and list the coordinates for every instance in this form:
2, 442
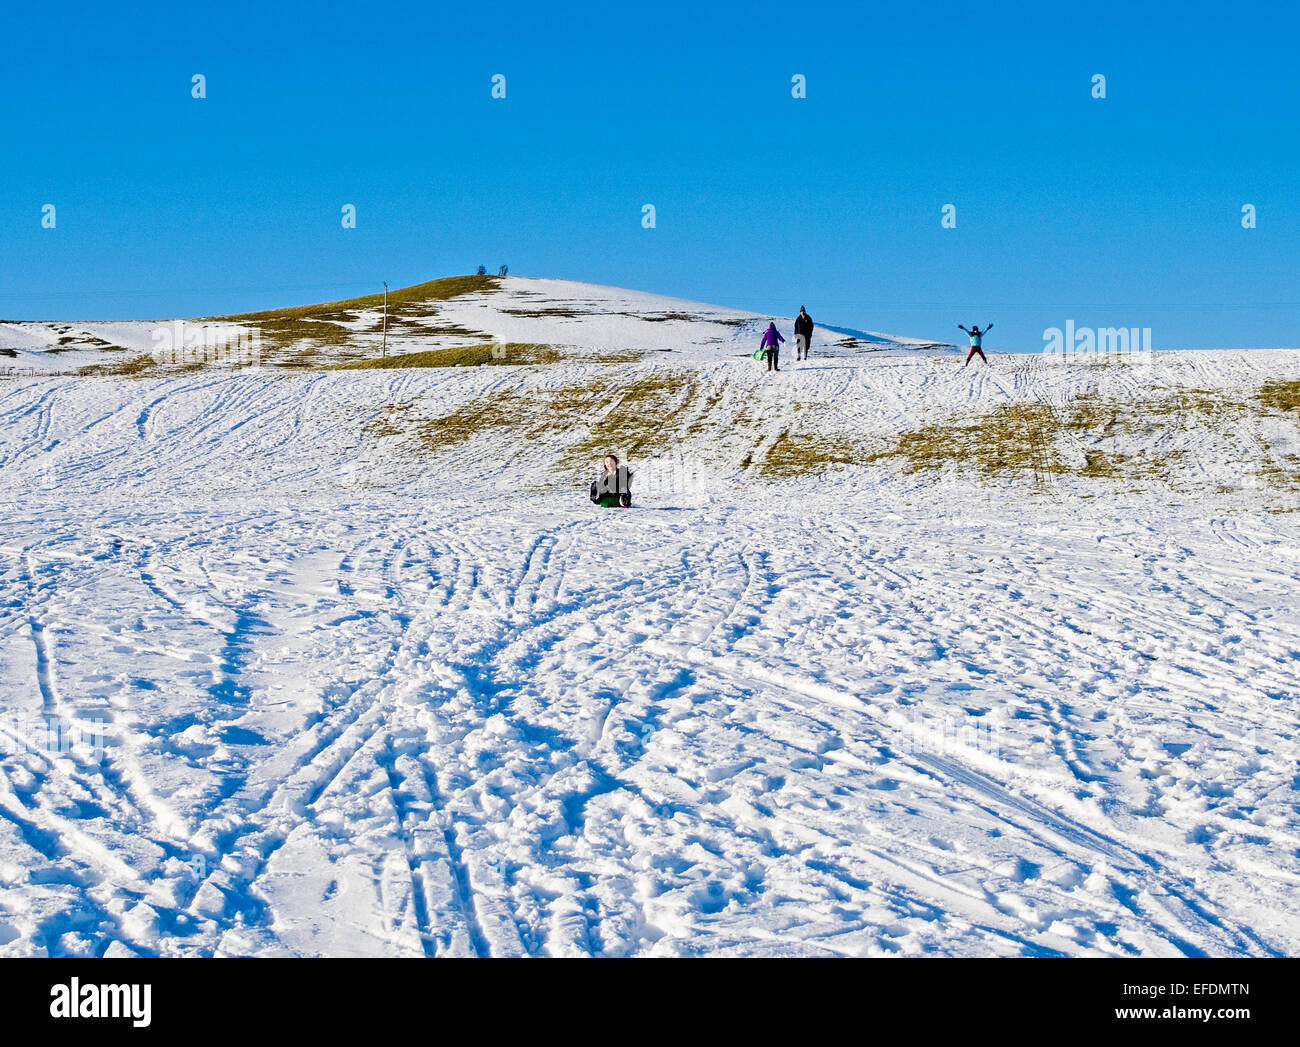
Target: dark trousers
772, 355
973, 350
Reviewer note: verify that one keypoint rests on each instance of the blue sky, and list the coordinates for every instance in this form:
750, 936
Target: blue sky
1117, 212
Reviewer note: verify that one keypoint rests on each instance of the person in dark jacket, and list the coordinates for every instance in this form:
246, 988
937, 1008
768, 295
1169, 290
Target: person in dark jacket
613, 488
771, 344
803, 329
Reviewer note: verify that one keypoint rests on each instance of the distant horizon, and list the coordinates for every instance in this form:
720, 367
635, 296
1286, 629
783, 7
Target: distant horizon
321, 296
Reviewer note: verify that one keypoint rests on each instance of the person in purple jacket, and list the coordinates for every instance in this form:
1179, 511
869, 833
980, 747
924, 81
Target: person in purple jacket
772, 344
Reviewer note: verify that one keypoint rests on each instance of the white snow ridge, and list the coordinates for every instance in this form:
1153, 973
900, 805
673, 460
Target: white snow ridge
888, 656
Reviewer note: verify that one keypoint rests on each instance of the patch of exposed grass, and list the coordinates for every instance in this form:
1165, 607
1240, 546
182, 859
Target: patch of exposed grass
84, 340
431, 291
1280, 396
659, 318
567, 312
422, 325
458, 356
1044, 441
284, 332
309, 328
1281, 466
462, 356
633, 415
647, 416
5, 351
615, 356
525, 353
449, 330
573, 313
1191, 406
303, 356
390, 423
1013, 438
136, 365
808, 454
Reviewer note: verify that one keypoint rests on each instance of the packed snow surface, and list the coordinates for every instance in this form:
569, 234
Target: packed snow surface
323, 688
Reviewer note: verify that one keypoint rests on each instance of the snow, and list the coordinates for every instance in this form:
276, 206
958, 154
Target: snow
576, 316
323, 697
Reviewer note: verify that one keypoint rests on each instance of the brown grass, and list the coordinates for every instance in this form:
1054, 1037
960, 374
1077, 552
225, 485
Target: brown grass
431, 291
808, 454
1032, 439
631, 414
136, 365
306, 329
461, 356
1280, 396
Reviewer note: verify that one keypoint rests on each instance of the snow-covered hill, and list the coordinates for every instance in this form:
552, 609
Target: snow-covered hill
890, 657
575, 317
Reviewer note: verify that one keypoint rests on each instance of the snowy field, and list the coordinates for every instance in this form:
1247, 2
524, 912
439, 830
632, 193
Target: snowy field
334, 677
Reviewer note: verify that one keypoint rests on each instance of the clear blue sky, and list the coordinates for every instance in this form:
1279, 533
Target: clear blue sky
1125, 211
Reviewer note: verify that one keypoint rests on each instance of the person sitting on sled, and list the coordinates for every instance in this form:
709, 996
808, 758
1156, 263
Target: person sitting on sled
613, 487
